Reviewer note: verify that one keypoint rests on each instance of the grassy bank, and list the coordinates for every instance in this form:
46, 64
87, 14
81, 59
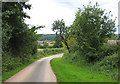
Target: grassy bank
107, 66
38, 55
67, 72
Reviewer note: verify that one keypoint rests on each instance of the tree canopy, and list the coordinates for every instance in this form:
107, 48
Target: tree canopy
91, 27
62, 31
18, 39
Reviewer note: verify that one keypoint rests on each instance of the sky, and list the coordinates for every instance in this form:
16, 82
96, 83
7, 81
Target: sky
45, 12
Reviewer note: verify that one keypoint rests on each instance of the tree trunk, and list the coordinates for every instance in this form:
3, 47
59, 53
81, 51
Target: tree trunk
66, 44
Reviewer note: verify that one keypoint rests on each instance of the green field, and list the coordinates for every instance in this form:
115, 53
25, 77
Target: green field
66, 72
40, 49
48, 44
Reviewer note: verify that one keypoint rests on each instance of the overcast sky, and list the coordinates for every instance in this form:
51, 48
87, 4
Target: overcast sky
45, 12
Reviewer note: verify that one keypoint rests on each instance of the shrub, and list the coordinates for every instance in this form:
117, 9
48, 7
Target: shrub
9, 62
109, 49
105, 50
40, 46
108, 66
45, 45
109, 62
74, 58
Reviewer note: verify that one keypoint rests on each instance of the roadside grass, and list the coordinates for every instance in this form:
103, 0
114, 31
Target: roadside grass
107, 66
66, 72
12, 72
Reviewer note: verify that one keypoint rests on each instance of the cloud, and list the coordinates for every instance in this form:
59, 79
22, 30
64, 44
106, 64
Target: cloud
45, 12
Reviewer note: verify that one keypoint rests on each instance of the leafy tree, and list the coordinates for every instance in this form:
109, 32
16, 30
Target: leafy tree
62, 31
13, 24
72, 44
19, 42
91, 27
19, 39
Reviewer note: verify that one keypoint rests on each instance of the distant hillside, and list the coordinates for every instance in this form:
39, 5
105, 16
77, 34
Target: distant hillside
47, 37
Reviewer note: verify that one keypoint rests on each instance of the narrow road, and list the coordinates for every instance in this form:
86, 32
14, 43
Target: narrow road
38, 71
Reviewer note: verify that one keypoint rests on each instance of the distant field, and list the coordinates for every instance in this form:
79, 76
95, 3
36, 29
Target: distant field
49, 44
40, 49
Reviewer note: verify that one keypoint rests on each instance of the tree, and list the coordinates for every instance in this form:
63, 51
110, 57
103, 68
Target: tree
13, 24
91, 27
19, 42
18, 38
62, 31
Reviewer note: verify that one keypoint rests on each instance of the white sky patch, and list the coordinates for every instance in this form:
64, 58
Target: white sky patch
45, 12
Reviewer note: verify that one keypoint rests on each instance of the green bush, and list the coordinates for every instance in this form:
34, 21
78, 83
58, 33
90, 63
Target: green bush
109, 62
108, 66
34, 49
109, 49
40, 46
106, 49
10, 63
45, 45
74, 58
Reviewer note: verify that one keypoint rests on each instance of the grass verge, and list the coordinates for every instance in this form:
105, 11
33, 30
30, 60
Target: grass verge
12, 72
66, 72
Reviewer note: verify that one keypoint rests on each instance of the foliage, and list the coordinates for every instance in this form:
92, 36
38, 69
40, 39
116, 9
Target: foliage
109, 49
62, 31
108, 66
91, 27
113, 37
72, 44
19, 41
40, 46
87, 40
12, 23
74, 58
